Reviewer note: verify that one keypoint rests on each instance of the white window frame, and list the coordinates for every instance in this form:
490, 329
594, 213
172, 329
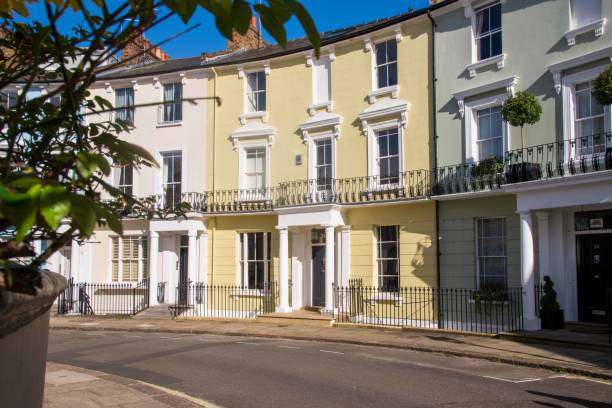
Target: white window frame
323, 60
377, 258
143, 256
373, 168
569, 97
114, 175
241, 250
242, 148
505, 242
312, 154
370, 46
471, 124
132, 108
243, 74
160, 112
375, 86
475, 64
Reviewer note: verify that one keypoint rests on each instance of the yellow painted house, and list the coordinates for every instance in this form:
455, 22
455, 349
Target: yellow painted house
317, 166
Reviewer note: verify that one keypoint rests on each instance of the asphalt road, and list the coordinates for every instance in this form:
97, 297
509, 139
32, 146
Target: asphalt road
253, 372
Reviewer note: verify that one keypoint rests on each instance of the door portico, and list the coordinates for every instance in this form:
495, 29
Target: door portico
314, 265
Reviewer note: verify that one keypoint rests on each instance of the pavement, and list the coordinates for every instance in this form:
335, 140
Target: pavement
68, 386
244, 371
592, 361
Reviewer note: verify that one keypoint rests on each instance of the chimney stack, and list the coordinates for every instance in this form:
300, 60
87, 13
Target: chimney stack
141, 50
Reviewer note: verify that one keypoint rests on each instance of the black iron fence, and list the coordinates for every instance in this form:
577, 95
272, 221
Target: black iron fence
104, 298
224, 301
483, 311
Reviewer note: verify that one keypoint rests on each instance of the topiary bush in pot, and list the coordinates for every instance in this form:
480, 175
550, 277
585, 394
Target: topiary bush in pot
551, 313
520, 110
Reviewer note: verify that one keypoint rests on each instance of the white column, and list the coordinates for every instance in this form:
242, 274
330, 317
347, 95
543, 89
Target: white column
543, 244
153, 250
191, 256
75, 268
329, 268
203, 243
345, 257
530, 321
297, 279
283, 263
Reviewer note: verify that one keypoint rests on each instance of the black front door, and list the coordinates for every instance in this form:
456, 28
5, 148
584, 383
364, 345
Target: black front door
183, 282
594, 276
318, 275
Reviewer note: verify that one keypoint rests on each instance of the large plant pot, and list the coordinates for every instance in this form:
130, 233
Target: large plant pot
24, 330
552, 319
520, 172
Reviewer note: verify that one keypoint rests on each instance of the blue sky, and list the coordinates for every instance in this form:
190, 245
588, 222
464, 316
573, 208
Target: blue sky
327, 14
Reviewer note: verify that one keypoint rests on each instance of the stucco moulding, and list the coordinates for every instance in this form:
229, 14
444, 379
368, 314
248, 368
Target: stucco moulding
597, 27
557, 68
508, 84
319, 122
386, 107
252, 131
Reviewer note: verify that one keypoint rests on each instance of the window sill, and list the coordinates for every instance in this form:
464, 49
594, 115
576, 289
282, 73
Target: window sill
388, 90
169, 124
596, 26
328, 106
498, 60
263, 115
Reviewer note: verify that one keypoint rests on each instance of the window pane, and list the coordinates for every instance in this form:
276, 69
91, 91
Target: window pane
392, 73
495, 17
177, 169
583, 102
382, 74
383, 146
393, 142
381, 54
391, 50
252, 82
496, 44
492, 247
388, 250
394, 166
387, 233
484, 48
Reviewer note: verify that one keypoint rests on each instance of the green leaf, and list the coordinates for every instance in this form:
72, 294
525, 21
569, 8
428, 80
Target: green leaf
24, 182
241, 16
111, 219
89, 163
184, 8
54, 205
83, 214
134, 150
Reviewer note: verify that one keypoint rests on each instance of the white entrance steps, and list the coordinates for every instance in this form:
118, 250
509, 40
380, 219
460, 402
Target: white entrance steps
298, 317
155, 312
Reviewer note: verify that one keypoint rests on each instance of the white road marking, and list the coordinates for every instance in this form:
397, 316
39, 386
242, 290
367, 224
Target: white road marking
127, 335
524, 380
289, 347
197, 401
94, 334
329, 351
246, 342
170, 338
90, 324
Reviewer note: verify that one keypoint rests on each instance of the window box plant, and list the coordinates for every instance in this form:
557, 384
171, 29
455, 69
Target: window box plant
520, 110
551, 313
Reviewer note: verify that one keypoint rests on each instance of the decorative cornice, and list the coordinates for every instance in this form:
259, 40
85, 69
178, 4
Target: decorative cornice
328, 106
557, 68
240, 134
400, 108
508, 84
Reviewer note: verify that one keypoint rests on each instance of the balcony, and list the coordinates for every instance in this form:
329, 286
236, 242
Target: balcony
565, 158
190, 202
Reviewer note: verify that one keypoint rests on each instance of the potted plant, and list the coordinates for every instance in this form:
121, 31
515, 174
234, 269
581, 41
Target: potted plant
551, 313
486, 173
603, 95
520, 110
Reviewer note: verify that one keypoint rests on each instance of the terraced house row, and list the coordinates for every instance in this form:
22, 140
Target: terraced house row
378, 182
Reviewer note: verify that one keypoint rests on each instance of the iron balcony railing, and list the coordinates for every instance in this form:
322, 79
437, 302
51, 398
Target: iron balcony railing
472, 310
551, 160
558, 159
172, 200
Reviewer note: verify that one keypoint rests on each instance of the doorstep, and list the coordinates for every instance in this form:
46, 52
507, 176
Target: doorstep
302, 317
